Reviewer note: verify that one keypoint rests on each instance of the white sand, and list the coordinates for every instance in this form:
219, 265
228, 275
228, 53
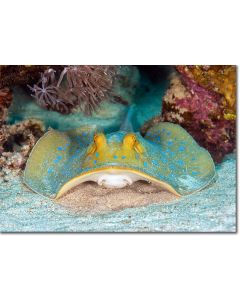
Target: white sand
91, 198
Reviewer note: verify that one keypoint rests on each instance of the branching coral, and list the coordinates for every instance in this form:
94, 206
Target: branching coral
85, 87
48, 94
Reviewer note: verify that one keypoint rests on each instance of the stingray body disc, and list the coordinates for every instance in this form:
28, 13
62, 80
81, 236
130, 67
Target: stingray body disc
167, 155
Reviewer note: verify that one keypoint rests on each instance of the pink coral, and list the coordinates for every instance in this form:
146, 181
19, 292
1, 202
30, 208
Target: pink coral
201, 113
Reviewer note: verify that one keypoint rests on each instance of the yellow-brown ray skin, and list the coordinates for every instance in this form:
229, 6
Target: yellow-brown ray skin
128, 148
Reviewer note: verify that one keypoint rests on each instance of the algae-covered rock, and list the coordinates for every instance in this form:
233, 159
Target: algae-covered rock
200, 110
5, 101
221, 79
16, 143
12, 75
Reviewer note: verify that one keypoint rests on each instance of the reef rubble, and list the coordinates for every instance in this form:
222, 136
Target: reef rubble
16, 143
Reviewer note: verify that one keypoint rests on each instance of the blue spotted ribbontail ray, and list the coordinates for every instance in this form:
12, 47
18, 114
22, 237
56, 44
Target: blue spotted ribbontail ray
167, 156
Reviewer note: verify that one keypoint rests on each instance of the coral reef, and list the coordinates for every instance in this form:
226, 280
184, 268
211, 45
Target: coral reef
220, 79
201, 111
16, 142
84, 87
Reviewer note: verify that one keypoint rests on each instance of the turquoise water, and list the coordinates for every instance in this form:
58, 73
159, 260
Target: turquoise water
211, 210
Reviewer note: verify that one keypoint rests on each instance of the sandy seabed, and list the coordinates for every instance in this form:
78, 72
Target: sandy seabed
141, 207
91, 198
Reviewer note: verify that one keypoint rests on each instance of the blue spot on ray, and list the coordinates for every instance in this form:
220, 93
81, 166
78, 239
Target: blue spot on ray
163, 160
181, 148
154, 162
50, 170
57, 159
180, 162
195, 173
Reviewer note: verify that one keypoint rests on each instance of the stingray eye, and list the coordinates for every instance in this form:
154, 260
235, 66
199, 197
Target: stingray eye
99, 139
129, 140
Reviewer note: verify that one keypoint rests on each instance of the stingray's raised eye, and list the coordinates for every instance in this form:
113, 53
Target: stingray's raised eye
96, 138
129, 139
99, 140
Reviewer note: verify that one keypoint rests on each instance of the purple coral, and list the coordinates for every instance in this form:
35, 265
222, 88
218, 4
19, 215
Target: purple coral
200, 112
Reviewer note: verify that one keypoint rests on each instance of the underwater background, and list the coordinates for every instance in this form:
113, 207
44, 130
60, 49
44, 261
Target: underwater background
210, 210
